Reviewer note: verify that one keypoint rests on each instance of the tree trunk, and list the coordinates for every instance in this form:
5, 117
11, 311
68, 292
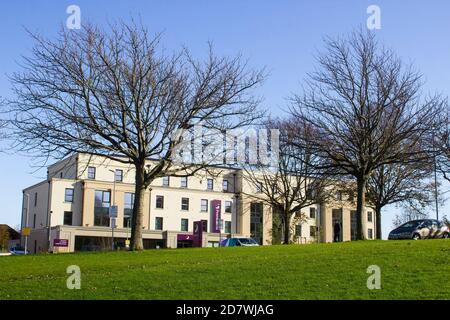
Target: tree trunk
287, 228
138, 210
378, 222
361, 203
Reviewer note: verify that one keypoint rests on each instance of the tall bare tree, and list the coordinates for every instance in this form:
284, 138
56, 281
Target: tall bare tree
399, 183
295, 181
115, 92
367, 109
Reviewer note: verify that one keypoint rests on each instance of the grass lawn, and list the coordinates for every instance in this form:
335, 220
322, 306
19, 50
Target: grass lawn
409, 270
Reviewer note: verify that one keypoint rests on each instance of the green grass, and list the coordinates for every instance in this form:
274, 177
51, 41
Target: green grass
409, 270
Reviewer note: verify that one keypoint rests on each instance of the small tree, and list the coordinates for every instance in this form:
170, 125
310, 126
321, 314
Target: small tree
367, 110
294, 182
117, 94
398, 183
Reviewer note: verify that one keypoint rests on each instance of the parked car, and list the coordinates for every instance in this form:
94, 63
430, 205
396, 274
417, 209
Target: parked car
238, 242
18, 251
420, 229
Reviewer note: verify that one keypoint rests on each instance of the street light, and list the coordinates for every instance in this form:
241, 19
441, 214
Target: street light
26, 221
113, 219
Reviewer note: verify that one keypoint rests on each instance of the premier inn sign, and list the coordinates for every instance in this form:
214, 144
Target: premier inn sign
216, 215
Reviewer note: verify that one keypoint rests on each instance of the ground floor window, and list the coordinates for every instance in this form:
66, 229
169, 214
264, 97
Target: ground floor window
256, 222
370, 233
227, 226
184, 224
67, 218
158, 223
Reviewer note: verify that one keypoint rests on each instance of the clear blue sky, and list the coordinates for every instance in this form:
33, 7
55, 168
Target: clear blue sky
280, 35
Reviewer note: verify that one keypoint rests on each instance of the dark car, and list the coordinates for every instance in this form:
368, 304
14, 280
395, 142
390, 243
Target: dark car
420, 229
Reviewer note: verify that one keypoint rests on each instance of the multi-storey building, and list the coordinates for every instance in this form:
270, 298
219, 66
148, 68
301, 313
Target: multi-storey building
71, 208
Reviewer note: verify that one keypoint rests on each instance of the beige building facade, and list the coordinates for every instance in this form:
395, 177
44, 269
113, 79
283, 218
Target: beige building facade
69, 211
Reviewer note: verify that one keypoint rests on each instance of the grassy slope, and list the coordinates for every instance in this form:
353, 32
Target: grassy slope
410, 270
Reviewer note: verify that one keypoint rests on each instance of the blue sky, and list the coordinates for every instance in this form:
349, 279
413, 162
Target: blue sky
282, 36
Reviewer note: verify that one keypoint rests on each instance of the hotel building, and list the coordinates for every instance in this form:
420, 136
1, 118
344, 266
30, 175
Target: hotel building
69, 211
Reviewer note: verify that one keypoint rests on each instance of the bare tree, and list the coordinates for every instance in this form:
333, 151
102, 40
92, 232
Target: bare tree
398, 183
116, 93
294, 182
367, 109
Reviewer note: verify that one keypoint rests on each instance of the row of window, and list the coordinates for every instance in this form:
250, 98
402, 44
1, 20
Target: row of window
118, 176
185, 204
159, 225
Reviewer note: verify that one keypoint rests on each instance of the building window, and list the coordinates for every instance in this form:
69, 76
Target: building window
312, 231
339, 195
228, 206
184, 182
68, 195
369, 216
67, 218
118, 175
210, 184
91, 173
310, 194
298, 230
227, 226
158, 223
225, 185
184, 224
166, 181
185, 204
128, 205
370, 233
204, 205
101, 210
259, 187
35, 199
312, 213
34, 221
159, 202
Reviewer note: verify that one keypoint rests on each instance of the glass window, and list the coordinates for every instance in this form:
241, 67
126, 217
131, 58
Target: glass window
228, 206
119, 175
91, 173
312, 213
158, 223
185, 204
210, 184
35, 199
370, 233
128, 205
68, 196
339, 195
227, 226
101, 209
259, 187
225, 185
160, 202
166, 181
204, 205
184, 182
184, 224
369, 216
312, 231
298, 230
67, 218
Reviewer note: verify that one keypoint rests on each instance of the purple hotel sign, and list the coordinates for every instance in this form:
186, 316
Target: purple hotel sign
185, 237
216, 211
60, 242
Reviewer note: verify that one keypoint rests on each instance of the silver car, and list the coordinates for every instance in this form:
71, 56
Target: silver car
420, 229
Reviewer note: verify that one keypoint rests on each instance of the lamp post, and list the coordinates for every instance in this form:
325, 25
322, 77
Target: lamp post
113, 219
26, 221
